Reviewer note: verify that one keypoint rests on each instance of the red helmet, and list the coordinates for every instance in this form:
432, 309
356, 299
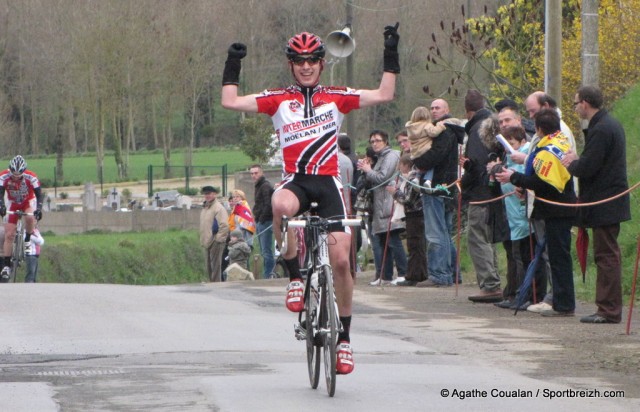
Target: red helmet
305, 43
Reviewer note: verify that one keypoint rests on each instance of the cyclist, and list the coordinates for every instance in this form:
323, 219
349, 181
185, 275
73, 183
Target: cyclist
23, 193
307, 118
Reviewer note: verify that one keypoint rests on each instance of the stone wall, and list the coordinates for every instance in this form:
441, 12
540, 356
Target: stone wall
63, 223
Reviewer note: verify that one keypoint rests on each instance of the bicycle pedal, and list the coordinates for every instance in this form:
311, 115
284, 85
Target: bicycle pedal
300, 332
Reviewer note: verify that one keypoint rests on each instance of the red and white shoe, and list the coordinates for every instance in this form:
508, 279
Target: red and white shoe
344, 364
295, 296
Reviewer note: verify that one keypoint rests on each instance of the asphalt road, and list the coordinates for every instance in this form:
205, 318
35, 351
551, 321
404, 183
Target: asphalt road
230, 347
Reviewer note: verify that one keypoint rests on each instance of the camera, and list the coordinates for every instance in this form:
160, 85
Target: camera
496, 169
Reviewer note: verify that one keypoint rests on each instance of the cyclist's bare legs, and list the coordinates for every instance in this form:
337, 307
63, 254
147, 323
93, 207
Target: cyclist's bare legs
285, 203
9, 233
29, 221
342, 280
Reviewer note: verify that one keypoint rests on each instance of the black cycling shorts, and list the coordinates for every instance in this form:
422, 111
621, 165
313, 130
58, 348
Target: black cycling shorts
324, 190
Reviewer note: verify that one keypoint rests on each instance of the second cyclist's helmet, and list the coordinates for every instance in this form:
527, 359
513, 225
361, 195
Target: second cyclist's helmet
305, 43
17, 164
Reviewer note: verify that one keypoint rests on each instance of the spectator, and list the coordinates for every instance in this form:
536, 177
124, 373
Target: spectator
25, 194
239, 252
539, 100
602, 173
364, 207
32, 254
241, 216
387, 232
214, 228
535, 102
348, 187
403, 141
344, 144
519, 255
551, 182
526, 124
346, 178
263, 217
501, 222
409, 195
421, 131
438, 205
481, 238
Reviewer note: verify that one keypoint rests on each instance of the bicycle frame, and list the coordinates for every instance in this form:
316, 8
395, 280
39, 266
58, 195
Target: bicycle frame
17, 250
321, 315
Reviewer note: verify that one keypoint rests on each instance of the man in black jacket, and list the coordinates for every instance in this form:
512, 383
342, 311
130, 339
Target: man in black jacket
481, 240
263, 216
602, 174
438, 209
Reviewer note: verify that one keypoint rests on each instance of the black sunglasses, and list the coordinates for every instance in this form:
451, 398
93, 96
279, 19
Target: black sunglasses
299, 60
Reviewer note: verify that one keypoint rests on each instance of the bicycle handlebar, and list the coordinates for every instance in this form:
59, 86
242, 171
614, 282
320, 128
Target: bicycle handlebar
19, 213
307, 221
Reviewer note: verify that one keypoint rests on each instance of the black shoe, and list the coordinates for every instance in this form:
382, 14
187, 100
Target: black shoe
406, 283
430, 284
505, 304
524, 306
595, 318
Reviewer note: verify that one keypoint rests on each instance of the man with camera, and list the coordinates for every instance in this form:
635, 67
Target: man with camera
481, 239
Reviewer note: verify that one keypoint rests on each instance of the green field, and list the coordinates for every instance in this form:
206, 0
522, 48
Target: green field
79, 169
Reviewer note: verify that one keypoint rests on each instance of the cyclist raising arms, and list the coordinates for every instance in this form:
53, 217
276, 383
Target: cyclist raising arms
23, 192
307, 118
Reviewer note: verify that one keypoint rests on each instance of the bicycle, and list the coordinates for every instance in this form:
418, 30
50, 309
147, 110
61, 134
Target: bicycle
321, 323
17, 250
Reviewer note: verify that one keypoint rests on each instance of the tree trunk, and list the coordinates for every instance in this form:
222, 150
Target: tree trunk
59, 149
73, 142
117, 145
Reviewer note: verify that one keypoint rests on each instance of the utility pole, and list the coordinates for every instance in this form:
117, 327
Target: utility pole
590, 51
351, 121
553, 49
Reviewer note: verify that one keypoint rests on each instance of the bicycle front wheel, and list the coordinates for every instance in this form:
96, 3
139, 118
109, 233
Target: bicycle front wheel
329, 328
17, 254
311, 309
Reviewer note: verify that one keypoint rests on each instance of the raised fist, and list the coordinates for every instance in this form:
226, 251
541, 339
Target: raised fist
237, 51
391, 37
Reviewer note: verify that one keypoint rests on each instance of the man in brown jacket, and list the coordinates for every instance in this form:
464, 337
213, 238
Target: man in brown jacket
214, 228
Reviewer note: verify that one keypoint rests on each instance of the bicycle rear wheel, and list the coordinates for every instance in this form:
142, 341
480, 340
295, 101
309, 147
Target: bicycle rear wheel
311, 308
329, 327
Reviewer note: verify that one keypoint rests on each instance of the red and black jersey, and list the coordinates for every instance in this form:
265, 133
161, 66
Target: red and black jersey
22, 190
307, 121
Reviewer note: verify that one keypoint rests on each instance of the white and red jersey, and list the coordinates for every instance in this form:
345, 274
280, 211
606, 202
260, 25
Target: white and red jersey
307, 121
22, 190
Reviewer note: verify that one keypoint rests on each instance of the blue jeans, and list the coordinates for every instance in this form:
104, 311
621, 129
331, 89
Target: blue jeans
395, 252
265, 237
440, 248
32, 268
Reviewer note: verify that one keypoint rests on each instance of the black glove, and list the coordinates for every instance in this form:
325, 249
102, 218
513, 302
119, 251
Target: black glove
231, 74
391, 58
3, 209
37, 214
